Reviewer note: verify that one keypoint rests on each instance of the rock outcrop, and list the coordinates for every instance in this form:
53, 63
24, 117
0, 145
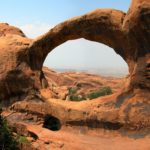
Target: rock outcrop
128, 34
22, 78
81, 83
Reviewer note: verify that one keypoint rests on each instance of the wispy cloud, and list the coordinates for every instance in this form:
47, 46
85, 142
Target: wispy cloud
35, 30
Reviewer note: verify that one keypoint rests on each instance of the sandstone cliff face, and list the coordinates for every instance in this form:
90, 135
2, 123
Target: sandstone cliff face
16, 74
128, 34
22, 78
12, 48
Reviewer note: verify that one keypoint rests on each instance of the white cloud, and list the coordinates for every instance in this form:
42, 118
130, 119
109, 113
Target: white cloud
35, 30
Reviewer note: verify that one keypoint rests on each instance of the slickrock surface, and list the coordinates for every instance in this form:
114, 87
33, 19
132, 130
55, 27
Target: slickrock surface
22, 78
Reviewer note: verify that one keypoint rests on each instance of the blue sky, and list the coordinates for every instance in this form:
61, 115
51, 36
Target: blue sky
52, 11
36, 17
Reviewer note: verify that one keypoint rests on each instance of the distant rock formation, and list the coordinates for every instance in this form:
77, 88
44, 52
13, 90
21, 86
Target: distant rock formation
82, 83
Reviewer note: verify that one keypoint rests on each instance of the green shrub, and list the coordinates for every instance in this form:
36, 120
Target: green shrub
73, 94
22, 139
7, 141
102, 92
72, 91
77, 98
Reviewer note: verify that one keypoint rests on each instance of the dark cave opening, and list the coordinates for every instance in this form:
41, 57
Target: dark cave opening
52, 123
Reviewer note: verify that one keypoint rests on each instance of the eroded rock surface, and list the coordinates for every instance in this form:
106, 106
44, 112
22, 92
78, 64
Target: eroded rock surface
22, 78
127, 34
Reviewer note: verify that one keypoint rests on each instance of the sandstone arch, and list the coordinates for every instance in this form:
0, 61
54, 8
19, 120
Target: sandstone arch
112, 27
21, 59
94, 26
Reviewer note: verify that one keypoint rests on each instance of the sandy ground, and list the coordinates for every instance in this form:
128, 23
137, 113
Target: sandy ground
69, 138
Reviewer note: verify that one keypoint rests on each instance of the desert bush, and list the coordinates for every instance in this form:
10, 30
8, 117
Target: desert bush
73, 96
77, 98
21, 139
7, 141
72, 90
102, 92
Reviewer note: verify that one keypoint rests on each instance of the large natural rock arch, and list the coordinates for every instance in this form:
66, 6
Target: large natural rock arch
128, 34
21, 76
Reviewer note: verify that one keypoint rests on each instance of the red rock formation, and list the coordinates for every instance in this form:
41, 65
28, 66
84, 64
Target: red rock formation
21, 62
5, 29
127, 34
114, 28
